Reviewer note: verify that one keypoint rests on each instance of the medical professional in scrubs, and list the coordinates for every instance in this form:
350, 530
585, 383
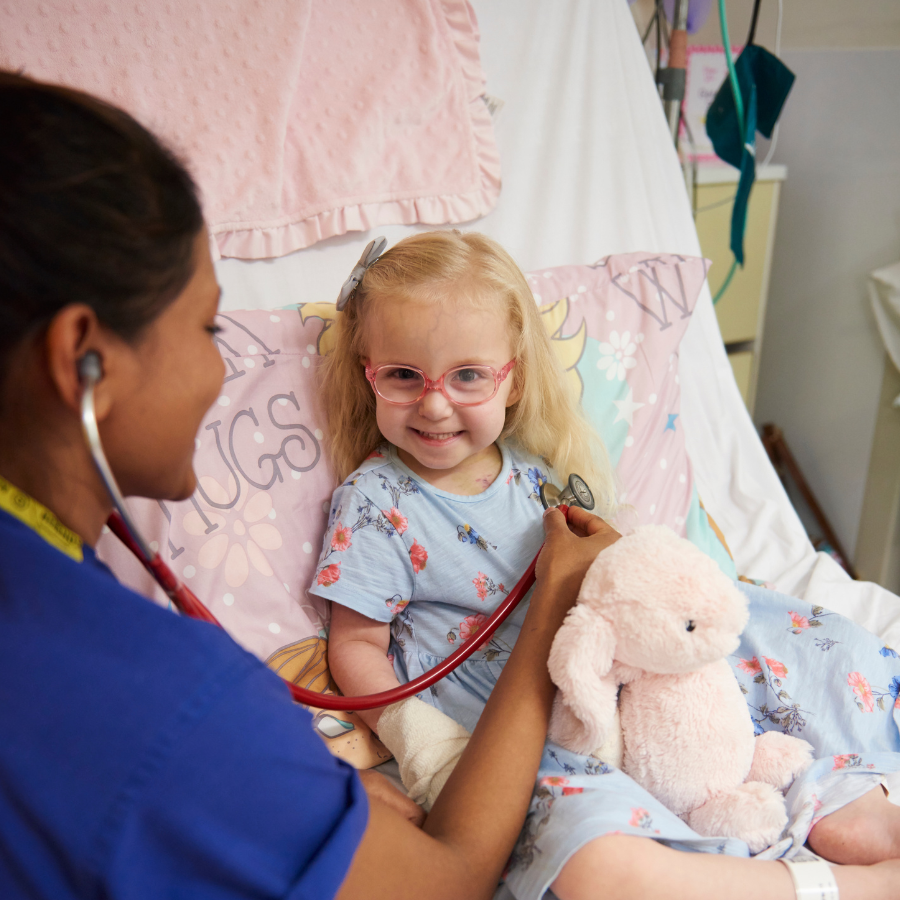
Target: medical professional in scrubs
144, 755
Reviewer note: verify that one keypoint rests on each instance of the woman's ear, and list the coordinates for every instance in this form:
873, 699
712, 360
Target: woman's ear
72, 333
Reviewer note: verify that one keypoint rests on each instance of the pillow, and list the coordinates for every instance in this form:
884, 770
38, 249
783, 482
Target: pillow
247, 542
617, 326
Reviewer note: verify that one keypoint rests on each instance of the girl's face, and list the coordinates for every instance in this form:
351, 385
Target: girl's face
435, 437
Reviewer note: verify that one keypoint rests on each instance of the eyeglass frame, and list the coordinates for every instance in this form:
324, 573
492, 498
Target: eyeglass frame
438, 385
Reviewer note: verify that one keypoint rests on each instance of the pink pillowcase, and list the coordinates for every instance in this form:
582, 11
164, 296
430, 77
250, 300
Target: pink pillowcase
620, 324
247, 542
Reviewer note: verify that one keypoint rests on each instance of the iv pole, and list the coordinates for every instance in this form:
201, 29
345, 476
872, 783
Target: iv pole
672, 78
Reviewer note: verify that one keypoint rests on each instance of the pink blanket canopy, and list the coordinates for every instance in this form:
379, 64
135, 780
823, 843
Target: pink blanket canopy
300, 120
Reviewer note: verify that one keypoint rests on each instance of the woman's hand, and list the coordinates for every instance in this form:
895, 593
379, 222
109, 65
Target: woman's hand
570, 548
380, 788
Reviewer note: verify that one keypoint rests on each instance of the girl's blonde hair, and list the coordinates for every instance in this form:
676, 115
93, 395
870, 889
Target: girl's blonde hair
440, 266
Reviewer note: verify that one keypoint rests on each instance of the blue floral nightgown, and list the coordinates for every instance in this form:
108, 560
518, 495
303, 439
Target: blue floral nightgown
435, 565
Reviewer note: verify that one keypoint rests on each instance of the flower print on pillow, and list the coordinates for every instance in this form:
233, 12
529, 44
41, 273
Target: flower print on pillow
617, 354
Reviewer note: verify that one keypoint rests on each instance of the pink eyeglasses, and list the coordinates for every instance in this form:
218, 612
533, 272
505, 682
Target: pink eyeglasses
461, 385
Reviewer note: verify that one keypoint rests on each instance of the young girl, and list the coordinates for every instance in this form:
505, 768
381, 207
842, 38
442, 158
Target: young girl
447, 411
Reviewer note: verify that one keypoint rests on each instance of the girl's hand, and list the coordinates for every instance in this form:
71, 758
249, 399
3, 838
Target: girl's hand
570, 548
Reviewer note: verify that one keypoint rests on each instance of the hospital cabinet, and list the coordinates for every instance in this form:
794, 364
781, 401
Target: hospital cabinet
741, 310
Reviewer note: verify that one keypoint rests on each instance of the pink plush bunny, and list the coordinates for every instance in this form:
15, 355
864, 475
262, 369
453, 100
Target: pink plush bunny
658, 616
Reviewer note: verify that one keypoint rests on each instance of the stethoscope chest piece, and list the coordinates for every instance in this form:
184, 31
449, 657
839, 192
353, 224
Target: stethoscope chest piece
576, 493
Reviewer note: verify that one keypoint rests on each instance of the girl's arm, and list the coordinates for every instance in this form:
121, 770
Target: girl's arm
357, 657
473, 826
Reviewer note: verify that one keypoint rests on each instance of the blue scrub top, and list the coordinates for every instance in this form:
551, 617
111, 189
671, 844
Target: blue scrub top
144, 755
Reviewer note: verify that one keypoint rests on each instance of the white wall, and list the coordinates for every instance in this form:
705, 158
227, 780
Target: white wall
822, 360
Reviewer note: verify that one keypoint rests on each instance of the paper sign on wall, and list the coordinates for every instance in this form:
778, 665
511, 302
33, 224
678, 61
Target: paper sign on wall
706, 70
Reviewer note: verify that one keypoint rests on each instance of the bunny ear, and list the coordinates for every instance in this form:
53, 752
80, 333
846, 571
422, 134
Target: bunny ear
580, 662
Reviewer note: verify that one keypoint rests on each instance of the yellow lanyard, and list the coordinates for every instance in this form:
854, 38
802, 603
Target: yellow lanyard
38, 518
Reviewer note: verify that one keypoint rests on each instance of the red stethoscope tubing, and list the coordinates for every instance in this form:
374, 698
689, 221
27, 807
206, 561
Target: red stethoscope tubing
188, 604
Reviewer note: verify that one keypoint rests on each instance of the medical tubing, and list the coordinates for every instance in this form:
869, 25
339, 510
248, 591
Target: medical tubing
732, 72
181, 596
92, 436
739, 110
726, 282
188, 604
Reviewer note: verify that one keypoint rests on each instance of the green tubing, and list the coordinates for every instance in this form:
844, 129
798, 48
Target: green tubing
732, 73
739, 109
726, 282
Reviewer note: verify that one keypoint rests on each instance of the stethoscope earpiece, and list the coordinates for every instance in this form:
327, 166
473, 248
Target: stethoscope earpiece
90, 368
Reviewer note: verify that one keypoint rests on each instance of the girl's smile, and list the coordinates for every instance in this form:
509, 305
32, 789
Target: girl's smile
450, 446
438, 439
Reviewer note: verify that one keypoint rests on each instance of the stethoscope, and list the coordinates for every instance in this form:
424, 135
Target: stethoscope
90, 371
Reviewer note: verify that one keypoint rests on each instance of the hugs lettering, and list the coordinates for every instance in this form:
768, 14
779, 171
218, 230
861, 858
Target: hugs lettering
299, 451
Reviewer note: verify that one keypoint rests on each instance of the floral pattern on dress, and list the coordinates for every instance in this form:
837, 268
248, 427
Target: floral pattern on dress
418, 555
485, 587
800, 623
868, 697
784, 713
640, 818
470, 626
395, 604
493, 649
396, 518
389, 522
329, 575
466, 533
846, 761
404, 487
750, 666
537, 478
340, 538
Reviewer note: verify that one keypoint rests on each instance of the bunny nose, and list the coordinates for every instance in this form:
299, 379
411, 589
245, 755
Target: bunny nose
690, 625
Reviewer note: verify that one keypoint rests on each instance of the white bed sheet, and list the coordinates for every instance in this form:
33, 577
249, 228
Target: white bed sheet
588, 169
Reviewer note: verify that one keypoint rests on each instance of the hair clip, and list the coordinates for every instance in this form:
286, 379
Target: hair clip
370, 255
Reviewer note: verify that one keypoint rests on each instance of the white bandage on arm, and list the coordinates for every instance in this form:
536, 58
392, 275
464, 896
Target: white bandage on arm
813, 879
426, 744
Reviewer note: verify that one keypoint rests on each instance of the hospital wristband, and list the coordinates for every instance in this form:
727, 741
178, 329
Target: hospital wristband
813, 879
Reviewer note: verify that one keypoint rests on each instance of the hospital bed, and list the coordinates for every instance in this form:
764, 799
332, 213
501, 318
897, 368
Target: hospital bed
588, 170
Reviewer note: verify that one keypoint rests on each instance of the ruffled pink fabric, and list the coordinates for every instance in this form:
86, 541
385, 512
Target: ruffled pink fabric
300, 121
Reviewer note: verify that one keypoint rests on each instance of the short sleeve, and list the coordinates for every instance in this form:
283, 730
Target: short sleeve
365, 562
247, 803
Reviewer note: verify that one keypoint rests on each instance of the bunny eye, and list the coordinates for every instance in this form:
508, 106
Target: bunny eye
690, 625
